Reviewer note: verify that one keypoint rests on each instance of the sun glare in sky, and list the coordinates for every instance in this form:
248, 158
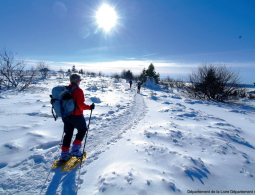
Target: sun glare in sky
106, 17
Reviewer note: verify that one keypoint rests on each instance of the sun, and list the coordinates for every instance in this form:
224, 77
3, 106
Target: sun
106, 17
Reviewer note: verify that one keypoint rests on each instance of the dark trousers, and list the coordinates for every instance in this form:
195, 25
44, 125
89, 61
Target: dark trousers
71, 122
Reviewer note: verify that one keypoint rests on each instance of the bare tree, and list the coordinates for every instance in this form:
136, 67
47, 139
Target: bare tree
179, 83
61, 73
12, 71
43, 68
116, 76
28, 79
213, 82
128, 75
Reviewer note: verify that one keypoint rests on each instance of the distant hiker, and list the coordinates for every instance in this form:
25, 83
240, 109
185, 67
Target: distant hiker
130, 82
75, 120
138, 87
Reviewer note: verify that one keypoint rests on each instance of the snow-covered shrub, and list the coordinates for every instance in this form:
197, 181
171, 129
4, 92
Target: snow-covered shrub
43, 68
151, 84
215, 82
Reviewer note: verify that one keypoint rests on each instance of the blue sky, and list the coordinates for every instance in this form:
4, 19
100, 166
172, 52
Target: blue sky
175, 35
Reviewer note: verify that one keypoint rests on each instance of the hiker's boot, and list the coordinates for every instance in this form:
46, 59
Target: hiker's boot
76, 150
63, 158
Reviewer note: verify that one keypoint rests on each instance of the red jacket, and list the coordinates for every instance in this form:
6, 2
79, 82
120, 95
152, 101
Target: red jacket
78, 98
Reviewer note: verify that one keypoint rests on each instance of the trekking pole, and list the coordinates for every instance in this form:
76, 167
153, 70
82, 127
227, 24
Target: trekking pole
61, 142
85, 139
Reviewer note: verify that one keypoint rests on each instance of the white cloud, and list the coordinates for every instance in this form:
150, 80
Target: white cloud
153, 54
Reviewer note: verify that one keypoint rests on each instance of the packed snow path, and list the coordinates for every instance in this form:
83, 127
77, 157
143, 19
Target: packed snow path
110, 131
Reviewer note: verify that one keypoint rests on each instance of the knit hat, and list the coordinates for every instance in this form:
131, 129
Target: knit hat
74, 78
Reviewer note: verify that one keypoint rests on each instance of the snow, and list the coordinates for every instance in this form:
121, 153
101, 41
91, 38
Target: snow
155, 142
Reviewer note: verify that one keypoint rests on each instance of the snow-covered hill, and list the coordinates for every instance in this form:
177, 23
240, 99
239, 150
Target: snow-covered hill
149, 143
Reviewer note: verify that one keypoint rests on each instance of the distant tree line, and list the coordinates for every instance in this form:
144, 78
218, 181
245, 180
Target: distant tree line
125, 74
208, 82
84, 72
146, 73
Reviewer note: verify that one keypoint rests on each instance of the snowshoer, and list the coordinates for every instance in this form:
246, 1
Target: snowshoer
74, 120
130, 82
138, 87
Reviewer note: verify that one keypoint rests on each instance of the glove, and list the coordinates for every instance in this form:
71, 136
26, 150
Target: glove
92, 106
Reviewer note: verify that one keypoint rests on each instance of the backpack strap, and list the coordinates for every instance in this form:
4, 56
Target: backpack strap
73, 88
51, 101
71, 91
